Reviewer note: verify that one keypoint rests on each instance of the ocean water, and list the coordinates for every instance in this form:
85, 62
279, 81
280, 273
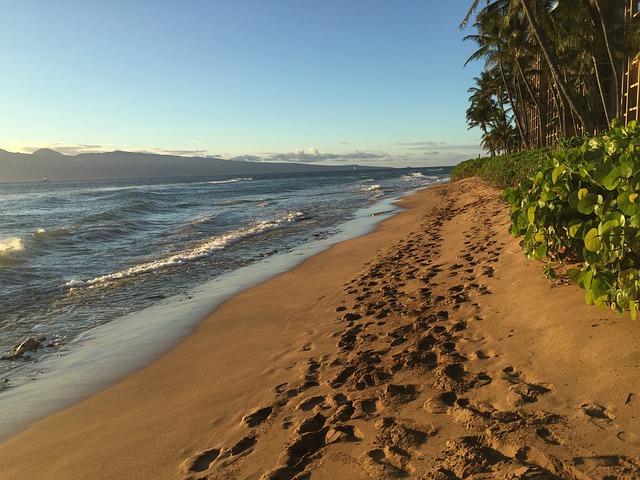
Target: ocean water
78, 255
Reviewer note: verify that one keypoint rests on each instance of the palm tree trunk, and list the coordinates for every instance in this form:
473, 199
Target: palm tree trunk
534, 98
514, 107
562, 122
599, 83
614, 70
552, 62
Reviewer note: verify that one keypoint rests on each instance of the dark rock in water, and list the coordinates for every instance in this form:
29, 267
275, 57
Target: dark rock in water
29, 345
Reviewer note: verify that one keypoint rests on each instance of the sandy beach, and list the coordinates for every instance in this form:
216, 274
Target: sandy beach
430, 348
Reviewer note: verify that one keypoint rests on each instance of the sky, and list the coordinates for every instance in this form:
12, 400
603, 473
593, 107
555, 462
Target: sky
374, 82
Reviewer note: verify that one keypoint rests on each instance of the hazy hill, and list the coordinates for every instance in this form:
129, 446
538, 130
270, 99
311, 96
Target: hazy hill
19, 167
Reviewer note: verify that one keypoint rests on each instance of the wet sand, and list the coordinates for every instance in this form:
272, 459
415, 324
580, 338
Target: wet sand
430, 348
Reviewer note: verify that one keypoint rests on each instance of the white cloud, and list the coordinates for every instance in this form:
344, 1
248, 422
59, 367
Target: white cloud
68, 148
179, 153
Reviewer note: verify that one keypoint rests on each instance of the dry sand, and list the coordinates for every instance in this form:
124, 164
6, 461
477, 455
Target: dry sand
430, 348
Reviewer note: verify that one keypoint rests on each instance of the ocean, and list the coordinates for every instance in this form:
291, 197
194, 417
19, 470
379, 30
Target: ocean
79, 259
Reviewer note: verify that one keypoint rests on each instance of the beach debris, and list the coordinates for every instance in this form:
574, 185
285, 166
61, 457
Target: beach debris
29, 345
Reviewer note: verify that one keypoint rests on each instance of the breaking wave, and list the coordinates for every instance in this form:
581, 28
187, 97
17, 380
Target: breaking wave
202, 250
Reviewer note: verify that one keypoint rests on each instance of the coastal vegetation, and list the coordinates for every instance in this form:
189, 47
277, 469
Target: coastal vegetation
577, 208
552, 69
558, 75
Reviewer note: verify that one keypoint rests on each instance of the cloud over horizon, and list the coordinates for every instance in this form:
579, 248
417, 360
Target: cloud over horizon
400, 154
69, 148
313, 155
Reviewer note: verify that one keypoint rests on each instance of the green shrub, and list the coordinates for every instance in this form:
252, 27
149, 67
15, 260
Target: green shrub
583, 205
503, 170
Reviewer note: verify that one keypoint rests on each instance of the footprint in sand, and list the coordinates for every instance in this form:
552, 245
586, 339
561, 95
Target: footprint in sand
257, 417
243, 445
480, 355
547, 436
342, 376
522, 393
202, 461
221, 457
597, 414
311, 424
399, 393
629, 437
343, 413
385, 463
310, 403
368, 406
440, 403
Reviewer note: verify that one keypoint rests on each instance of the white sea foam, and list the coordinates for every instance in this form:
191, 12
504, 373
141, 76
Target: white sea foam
231, 180
11, 251
9, 246
202, 250
56, 232
239, 201
414, 175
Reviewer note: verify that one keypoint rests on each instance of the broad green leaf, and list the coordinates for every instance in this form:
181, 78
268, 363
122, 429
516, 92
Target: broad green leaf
612, 146
559, 170
622, 300
540, 252
592, 240
591, 258
549, 196
602, 302
531, 213
510, 196
574, 198
601, 283
634, 221
629, 203
588, 203
628, 278
583, 192
617, 216
602, 171
617, 175
576, 276
608, 225
594, 143
586, 279
574, 228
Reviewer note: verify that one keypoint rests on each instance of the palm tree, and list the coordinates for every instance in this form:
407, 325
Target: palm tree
606, 19
486, 104
530, 7
492, 40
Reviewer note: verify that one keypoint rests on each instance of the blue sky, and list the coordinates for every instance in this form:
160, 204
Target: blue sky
371, 81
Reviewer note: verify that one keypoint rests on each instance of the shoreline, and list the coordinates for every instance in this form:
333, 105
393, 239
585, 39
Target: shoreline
86, 365
430, 347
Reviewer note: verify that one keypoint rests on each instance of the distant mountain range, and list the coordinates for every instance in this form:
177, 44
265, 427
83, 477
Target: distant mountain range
52, 165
